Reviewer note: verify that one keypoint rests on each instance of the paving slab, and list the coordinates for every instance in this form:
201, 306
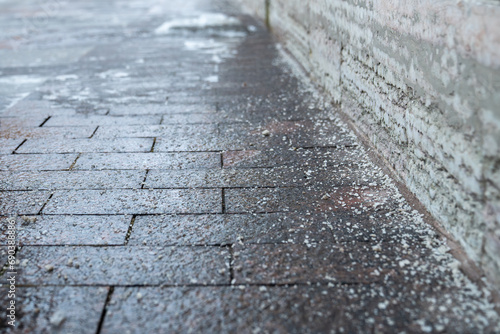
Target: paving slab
49, 133
7, 146
227, 230
160, 109
358, 199
307, 264
318, 133
51, 180
68, 230
9, 122
33, 162
291, 156
164, 131
56, 309
98, 161
295, 309
54, 145
321, 177
123, 265
35, 109
22, 202
100, 120
137, 201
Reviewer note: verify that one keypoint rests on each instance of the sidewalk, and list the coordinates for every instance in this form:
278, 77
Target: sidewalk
170, 173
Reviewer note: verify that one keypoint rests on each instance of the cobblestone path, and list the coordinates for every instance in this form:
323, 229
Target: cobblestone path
169, 172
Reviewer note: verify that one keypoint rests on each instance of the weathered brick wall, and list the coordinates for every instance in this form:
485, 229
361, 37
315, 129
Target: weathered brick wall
422, 80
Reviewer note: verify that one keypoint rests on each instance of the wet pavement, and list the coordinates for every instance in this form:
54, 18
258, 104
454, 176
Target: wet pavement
169, 171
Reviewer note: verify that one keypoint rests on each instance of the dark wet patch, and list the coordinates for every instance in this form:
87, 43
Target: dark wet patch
358, 199
307, 263
294, 309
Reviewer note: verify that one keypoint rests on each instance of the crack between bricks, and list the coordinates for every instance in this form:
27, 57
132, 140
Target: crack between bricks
129, 231
231, 264
45, 121
93, 133
153, 146
44, 204
24, 141
104, 309
143, 184
223, 201
74, 162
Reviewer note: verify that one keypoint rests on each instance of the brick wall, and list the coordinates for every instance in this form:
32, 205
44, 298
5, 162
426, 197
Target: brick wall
421, 79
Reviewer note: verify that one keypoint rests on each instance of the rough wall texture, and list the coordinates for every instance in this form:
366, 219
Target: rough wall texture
422, 80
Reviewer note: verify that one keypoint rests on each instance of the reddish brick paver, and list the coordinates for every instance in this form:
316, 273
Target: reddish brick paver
189, 182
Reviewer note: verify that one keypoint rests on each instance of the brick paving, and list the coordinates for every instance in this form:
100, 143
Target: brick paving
186, 180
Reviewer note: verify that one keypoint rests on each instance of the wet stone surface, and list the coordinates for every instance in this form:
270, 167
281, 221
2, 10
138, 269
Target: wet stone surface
55, 145
291, 156
166, 132
170, 172
144, 161
137, 201
36, 162
227, 230
358, 199
68, 230
68, 265
8, 146
50, 133
22, 202
71, 180
57, 309
296, 309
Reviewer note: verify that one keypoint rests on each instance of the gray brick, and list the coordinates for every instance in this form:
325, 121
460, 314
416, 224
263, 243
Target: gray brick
70, 180
154, 109
30, 162
7, 146
165, 131
357, 199
124, 265
142, 201
69, 230
22, 202
147, 160
292, 264
86, 145
228, 229
56, 309
48, 133
281, 309
82, 120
